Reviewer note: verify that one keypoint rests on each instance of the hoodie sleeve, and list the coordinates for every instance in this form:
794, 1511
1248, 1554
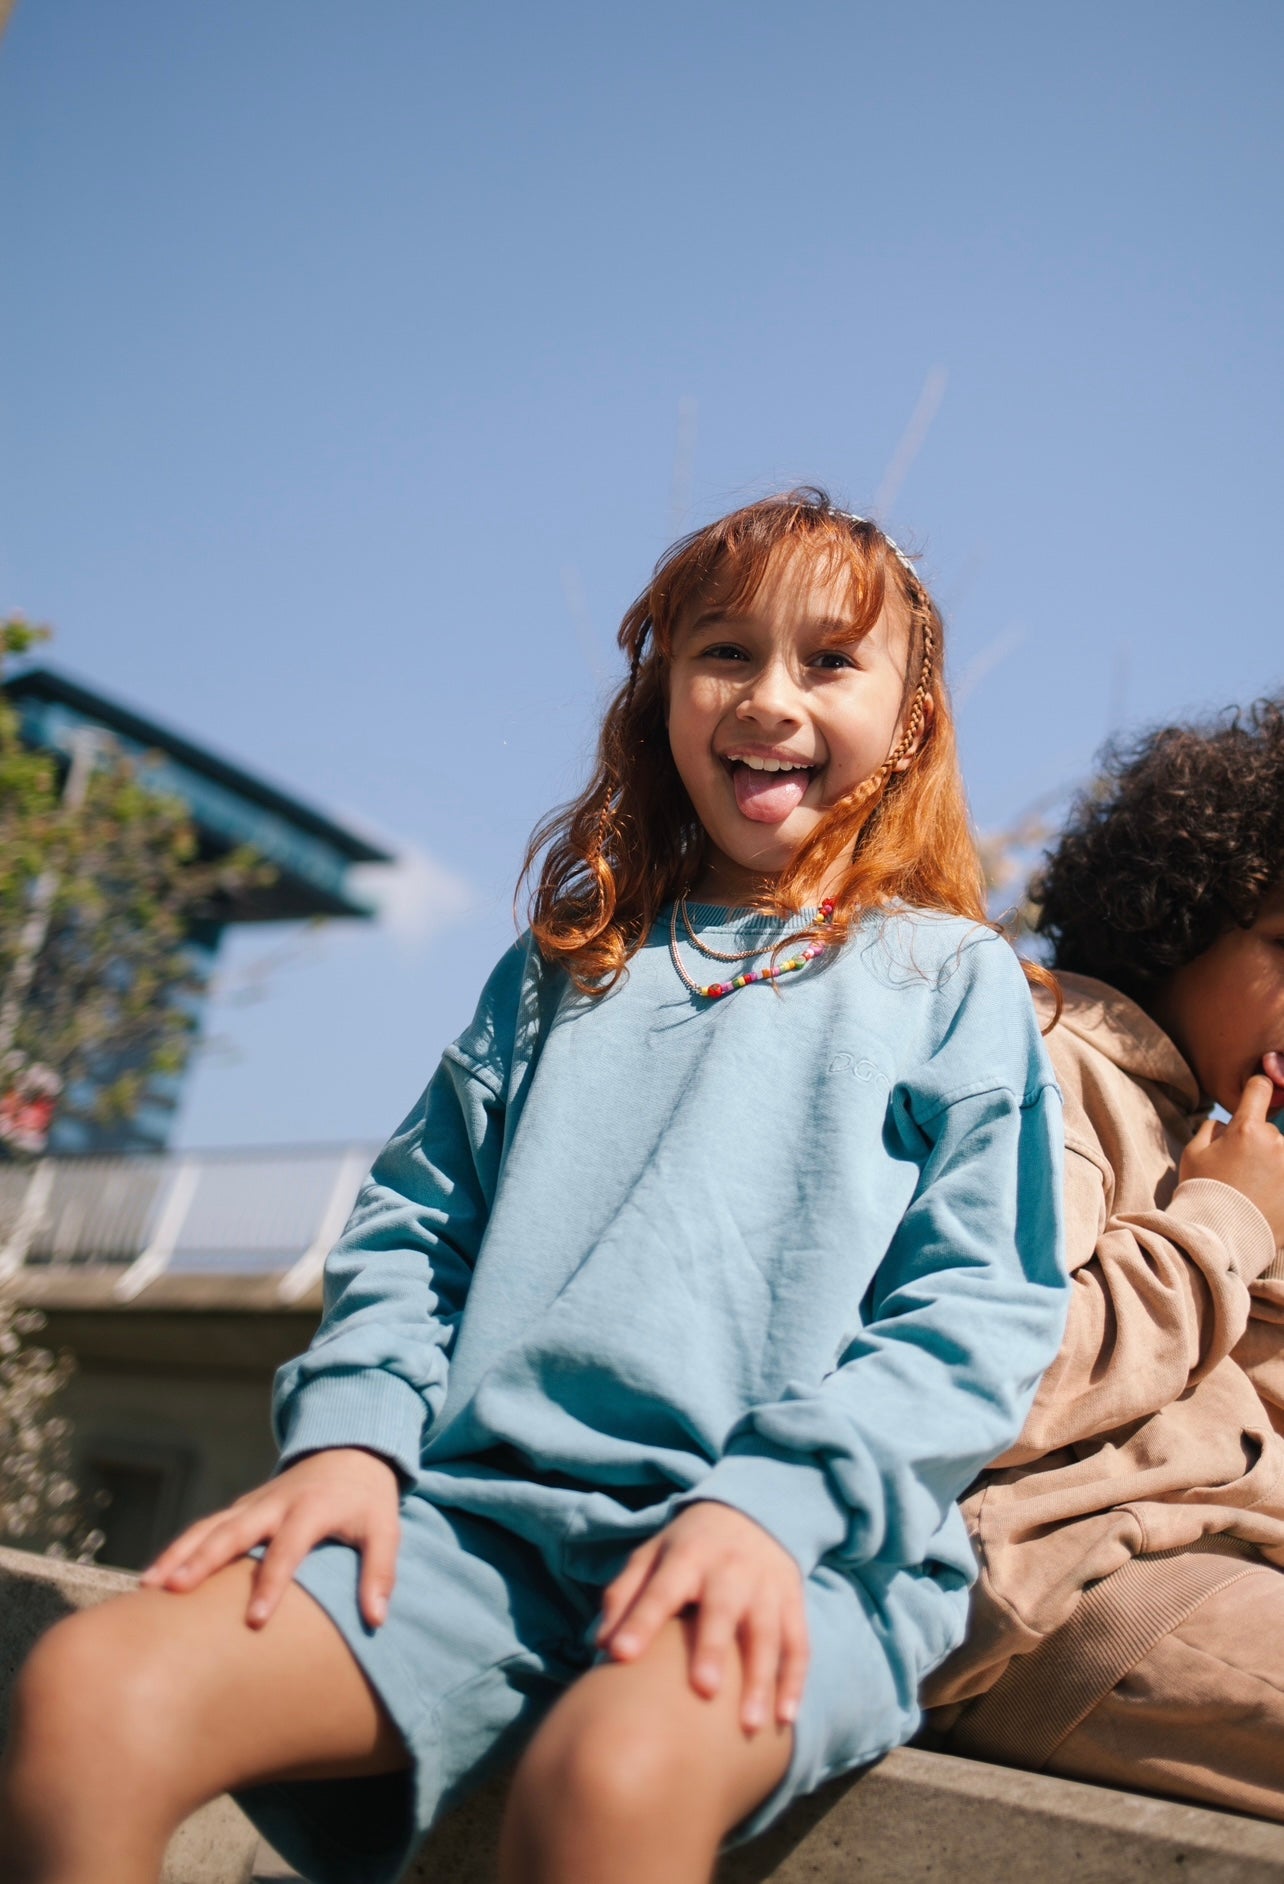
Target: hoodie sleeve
1261, 1350
397, 1280
1157, 1299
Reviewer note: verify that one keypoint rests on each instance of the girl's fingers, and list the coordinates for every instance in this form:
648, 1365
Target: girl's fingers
182, 1547
229, 1538
795, 1654
760, 1660
674, 1584
618, 1596
1203, 1137
280, 1561
379, 1568
724, 1603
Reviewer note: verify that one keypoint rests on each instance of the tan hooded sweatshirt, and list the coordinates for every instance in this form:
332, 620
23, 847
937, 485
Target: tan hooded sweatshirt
1159, 1426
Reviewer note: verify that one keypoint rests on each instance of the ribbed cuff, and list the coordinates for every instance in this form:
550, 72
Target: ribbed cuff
785, 1493
1234, 1218
373, 1409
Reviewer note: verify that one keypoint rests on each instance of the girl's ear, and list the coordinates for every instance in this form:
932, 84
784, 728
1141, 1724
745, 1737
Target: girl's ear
929, 714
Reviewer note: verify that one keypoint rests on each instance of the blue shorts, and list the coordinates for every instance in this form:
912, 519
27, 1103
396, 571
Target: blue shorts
482, 1637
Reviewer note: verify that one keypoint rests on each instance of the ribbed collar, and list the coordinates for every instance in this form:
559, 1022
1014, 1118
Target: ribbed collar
750, 924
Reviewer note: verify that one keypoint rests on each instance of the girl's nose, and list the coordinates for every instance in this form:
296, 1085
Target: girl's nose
770, 698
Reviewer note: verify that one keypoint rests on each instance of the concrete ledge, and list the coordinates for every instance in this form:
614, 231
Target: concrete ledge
916, 1818
927, 1818
94, 1287
217, 1844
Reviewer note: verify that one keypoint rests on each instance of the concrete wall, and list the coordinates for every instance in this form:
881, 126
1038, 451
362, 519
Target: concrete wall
169, 1403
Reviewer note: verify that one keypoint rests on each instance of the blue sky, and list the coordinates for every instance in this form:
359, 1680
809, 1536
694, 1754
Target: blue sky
358, 362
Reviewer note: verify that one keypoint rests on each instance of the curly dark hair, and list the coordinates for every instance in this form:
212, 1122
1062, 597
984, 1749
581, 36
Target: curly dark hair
1179, 840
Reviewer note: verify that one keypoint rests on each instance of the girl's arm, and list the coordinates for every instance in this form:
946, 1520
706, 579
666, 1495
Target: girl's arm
397, 1280
350, 1413
965, 1312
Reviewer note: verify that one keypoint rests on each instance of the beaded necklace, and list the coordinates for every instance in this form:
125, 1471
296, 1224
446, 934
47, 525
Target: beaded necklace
717, 989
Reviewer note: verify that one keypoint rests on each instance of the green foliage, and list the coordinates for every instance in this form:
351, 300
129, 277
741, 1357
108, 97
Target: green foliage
100, 884
99, 888
40, 1505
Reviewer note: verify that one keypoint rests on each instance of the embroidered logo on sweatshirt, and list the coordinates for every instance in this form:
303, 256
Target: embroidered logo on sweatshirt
857, 1069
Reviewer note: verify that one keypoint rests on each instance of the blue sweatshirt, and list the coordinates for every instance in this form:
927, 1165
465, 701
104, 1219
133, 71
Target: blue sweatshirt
796, 1250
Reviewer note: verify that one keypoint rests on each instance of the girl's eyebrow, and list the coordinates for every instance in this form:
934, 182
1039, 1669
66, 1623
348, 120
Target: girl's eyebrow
829, 627
840, 628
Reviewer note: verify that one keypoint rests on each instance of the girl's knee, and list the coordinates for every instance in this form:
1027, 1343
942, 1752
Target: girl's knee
62, 1670
611, 1768
92, 1762
95, 1678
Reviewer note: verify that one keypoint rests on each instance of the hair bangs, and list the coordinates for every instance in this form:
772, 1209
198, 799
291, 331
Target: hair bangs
726, 562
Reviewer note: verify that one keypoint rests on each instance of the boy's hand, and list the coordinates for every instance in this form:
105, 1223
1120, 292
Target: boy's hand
343, 1492
744, 1588
1246, 1152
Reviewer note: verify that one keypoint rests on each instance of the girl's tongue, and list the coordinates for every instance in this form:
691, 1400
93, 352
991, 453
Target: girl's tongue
769, 797
1273, 1067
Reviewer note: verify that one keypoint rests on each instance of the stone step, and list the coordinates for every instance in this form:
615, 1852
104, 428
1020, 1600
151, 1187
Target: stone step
916, 1818
928, 1818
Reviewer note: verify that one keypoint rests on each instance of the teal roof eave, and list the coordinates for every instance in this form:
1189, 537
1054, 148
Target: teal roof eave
227, 804
47, 683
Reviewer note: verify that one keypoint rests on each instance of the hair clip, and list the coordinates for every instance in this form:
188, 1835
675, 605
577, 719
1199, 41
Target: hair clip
849, 516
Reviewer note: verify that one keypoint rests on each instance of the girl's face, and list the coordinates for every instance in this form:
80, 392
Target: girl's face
775, 714
1225, 1010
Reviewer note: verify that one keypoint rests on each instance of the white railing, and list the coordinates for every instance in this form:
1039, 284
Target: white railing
246, 1213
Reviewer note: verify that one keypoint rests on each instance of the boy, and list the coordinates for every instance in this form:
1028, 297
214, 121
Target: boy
1128, 1627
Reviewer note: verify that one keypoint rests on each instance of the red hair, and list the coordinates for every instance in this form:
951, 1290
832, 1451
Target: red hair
631, 841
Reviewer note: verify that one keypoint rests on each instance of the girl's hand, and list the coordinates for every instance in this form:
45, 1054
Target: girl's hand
343, 1492
744, 1588
1247, 1152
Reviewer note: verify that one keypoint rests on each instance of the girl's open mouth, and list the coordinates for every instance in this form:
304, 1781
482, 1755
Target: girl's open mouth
765, 794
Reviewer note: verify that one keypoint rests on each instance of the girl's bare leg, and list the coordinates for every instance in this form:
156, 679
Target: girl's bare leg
635, 1779
130, 1715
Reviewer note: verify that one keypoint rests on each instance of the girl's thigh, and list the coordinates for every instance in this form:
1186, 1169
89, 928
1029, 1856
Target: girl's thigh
872, 1641
632, 1746
204, 1702
479, 1642
1201, 1716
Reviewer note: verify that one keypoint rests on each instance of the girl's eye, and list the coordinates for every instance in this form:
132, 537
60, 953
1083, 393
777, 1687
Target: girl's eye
833, 658
724, 651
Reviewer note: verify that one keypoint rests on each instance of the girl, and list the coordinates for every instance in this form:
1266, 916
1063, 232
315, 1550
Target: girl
718, 1256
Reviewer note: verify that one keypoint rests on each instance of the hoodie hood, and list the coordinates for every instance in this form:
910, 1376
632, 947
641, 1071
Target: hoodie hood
1116, 1027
